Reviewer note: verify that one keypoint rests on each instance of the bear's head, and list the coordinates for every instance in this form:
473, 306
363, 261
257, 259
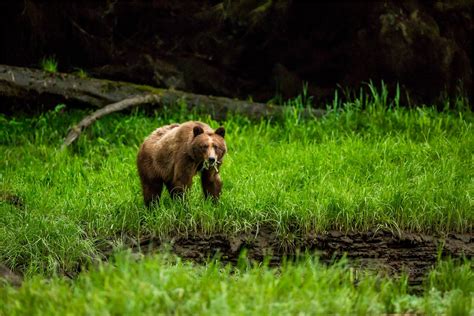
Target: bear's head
208, 148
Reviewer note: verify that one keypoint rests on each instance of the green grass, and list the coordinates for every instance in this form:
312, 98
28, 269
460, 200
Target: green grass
369, 166
166, 285
49, 64
81, 73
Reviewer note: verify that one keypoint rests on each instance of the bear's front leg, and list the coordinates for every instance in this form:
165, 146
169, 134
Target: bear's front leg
151, 191
211, 183
179, 186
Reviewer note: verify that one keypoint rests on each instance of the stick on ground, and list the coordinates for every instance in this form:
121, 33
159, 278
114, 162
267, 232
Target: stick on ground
77, 129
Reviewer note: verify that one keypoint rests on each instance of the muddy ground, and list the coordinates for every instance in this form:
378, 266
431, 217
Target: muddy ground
382, 251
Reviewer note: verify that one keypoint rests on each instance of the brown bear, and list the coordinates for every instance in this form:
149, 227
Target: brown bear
173, 154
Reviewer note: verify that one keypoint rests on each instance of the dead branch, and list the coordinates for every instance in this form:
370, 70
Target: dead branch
77, 129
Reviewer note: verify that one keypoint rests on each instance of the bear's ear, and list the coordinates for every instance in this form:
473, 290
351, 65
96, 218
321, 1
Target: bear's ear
220, 131
197, 130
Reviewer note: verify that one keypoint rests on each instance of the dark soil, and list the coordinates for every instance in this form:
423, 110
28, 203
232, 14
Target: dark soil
382, 251
9, 277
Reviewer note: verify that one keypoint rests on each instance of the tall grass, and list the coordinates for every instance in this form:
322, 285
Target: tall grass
167, 285
368, 164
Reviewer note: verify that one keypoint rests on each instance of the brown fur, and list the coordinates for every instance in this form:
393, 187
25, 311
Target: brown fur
173, 154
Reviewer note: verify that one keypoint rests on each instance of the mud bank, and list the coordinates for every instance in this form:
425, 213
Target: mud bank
382, 251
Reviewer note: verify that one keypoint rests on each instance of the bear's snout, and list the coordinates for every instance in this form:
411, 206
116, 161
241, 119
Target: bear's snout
212, 160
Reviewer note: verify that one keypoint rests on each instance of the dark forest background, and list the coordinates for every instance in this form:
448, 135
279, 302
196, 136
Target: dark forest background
249, 48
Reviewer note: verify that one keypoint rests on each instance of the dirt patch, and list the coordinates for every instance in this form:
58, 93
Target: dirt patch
12, 199
383, 251
9, 277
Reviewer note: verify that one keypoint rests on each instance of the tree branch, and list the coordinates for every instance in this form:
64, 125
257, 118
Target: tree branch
77, 129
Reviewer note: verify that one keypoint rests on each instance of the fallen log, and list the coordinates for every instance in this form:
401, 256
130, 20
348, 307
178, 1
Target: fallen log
38, 86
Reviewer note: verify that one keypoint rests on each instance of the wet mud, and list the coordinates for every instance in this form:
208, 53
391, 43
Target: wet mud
382, 251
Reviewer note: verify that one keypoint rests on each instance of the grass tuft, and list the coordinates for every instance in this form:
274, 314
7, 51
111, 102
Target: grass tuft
49, 64
81, 73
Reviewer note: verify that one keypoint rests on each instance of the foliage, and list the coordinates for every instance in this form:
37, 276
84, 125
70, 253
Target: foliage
81, 73
49, 64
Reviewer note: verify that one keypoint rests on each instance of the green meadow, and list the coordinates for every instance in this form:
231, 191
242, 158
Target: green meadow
165, 285
368, 164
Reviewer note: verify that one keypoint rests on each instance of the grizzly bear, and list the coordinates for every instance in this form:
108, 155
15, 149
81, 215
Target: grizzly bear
173, 154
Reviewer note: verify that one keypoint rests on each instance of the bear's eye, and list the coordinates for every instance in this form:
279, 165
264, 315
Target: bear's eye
215, 146
204, 146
